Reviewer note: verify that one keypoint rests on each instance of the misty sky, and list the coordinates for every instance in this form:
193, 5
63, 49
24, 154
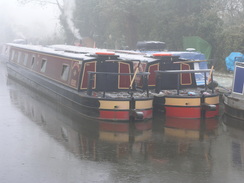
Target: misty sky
30, 20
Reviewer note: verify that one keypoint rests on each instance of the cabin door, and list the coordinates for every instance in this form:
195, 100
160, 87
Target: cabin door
112, 81
107, 82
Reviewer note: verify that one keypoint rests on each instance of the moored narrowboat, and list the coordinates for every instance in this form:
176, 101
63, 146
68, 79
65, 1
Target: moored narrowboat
234, 101
184, 100
95, 82
173, 82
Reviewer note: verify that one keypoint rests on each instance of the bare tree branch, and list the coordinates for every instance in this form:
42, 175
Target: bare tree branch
44, 2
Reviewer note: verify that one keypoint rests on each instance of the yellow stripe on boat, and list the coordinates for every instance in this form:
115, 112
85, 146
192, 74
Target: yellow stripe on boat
212, 100
182, 101
145, 104
105, 104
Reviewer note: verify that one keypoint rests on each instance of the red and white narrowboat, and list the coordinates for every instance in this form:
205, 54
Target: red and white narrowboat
97, 83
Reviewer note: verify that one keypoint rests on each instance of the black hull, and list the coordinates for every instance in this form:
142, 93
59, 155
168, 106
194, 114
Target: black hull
86, 105
234, 112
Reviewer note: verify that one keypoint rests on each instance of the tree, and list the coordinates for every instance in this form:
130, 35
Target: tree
66, 8
121, 23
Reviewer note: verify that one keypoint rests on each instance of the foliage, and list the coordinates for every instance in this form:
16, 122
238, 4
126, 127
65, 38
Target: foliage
121, 23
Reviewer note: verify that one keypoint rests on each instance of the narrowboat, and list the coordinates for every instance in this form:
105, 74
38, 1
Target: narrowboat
234, 101
5, 49
173, 83
150, 47
95, 82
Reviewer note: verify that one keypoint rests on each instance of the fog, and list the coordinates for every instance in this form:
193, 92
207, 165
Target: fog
30, 21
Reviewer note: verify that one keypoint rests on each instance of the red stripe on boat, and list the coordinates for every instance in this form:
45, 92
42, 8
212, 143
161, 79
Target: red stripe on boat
105, 53
114, 115
122, 115
183, 112
211, 114
147, 114
189, 112
162, 55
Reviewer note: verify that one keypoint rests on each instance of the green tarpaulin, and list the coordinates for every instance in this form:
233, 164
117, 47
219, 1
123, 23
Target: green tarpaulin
199, 44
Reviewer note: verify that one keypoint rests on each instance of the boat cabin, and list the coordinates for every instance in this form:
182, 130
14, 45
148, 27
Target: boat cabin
160, 62
96, 82
80, 71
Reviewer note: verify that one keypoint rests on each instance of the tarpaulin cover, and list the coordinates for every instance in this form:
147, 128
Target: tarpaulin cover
193, 56
232, 58
199, 44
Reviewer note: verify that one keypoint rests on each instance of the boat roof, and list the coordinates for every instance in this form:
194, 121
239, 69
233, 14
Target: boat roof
185, 55
135, 56
85, 53
75, 52
146, 57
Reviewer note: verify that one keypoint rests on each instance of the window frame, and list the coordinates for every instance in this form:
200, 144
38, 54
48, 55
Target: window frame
65, 72
43, 65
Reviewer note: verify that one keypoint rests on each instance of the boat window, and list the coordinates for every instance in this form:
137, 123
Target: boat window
44, 65
65, 72
19, 56
12, 55
26, 58
33, 61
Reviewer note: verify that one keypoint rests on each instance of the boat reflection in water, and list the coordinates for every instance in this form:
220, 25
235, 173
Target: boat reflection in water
186, 134
235, 129
165, 149
191, 129
186, 143
85, 137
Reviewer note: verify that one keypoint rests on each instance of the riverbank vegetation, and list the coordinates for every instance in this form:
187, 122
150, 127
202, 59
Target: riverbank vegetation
121, 23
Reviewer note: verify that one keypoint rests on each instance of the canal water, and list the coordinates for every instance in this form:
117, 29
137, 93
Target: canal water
43, 142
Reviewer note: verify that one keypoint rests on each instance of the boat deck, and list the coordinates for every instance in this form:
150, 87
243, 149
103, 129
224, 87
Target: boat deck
184, 92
